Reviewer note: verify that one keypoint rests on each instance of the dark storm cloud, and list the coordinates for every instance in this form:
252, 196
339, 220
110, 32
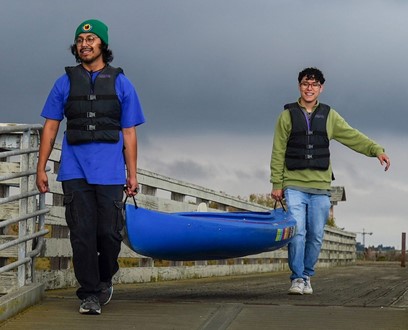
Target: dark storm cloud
189, 169
217, 65
213, 75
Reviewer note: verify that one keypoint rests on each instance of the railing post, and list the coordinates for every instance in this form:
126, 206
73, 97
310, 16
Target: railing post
4, 192
23, 229
200, 200
403, 249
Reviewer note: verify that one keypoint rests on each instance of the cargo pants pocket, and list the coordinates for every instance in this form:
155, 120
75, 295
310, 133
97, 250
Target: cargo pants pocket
71, 215
119, 220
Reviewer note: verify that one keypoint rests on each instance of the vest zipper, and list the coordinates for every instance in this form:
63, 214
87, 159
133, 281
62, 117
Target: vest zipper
308, 124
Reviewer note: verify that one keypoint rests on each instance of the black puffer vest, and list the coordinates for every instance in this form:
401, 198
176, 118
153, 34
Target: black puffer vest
308, 144
93, 110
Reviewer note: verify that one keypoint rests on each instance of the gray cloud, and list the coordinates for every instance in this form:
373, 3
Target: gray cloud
223, 65
224, 69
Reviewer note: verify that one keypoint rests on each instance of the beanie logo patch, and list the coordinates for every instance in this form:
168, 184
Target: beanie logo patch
87, 27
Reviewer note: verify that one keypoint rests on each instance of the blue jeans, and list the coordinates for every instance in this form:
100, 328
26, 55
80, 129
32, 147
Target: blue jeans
311, 212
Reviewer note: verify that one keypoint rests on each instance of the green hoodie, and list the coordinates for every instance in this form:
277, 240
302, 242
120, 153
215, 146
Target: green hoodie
337, 129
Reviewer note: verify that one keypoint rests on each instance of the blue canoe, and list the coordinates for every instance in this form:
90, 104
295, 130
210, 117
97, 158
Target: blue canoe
206, 235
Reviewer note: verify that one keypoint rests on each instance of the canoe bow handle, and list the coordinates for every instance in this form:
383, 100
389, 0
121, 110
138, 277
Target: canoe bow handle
134, 201
283, 207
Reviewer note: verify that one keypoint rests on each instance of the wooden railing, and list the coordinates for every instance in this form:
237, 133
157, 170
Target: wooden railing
166, 194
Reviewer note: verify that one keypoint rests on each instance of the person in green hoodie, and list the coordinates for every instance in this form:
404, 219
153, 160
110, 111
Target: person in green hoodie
301, 171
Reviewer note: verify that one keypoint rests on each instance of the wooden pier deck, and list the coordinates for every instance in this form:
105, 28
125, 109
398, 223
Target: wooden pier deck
365, 296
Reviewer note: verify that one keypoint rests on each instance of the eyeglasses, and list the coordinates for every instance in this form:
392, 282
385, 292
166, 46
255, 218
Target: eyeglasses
306, 85
89, 40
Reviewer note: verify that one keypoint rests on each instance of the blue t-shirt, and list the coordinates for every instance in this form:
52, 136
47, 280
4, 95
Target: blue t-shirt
97, 162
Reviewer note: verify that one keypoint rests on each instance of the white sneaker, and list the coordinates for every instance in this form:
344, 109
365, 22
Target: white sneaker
298, 285
308, 286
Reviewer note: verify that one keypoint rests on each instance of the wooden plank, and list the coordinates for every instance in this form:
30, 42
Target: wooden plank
8, 282
55, 186
61, 247
338, 194
10, 252
10, 141
56, 216
57, 247
9, 210
9, 168
168, 184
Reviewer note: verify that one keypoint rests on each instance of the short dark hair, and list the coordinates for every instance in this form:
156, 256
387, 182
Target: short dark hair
107, 54
311, 73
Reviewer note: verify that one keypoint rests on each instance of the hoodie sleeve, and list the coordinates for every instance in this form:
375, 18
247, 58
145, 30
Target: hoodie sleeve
339, 130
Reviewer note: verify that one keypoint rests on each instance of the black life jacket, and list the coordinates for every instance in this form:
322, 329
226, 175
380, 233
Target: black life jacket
93, 109
308, 145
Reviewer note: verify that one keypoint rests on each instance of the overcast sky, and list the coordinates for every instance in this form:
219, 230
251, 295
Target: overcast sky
213, 75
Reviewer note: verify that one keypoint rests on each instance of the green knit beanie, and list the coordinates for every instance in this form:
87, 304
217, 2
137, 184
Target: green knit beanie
93, 26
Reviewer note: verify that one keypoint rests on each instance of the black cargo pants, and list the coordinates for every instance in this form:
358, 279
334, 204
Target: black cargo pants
95, 219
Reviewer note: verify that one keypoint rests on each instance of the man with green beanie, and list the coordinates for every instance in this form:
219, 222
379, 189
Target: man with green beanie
93, 26
98, 158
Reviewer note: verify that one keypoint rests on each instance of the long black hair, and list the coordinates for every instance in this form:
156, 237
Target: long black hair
107, 54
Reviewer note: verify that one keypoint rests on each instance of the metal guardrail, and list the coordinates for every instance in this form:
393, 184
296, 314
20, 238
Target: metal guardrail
26, 241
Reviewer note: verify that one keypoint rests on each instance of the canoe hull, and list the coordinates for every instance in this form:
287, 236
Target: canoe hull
206, 235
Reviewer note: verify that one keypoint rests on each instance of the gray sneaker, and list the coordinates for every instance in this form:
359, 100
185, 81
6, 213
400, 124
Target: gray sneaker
298, 284
308, 287
90, 305
106, 293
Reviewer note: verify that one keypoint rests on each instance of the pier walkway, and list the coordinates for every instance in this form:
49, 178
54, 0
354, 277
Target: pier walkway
363, 296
